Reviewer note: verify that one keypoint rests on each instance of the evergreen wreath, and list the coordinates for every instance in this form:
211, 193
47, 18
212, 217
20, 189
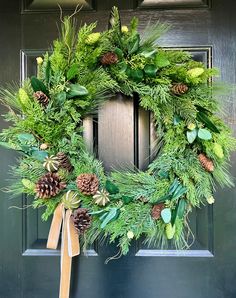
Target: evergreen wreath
73, 80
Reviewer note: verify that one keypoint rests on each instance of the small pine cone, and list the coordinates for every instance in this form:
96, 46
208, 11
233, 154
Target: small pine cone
64, 161
179, 88
87, 183
109, 58
42, 98
156, 210
82, 219
49, 186
206, 162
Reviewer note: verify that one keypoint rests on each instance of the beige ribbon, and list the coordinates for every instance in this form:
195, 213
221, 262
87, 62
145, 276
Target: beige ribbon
69, 248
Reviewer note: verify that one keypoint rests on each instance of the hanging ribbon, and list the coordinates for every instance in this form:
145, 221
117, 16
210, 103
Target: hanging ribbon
69, 247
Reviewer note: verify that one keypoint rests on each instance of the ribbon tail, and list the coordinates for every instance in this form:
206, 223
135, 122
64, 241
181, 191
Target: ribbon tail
55, 228
73, 239
70, 247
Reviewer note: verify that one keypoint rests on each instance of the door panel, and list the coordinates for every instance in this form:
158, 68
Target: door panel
208, 269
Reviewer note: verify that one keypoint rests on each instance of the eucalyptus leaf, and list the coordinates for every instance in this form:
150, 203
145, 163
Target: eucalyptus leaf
166, 215
76, 90
204, 134
97, 212
26, 138
109, 217
39, 155
191, 135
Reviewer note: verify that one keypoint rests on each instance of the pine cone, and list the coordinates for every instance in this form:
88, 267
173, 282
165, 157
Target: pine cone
87, 183
49, 186
206, 162
179, 88
82, 219
51, 163
42, 98
156, 210
64, 161
109, 58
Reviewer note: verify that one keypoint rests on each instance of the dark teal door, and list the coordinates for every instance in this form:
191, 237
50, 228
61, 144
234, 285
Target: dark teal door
208, 268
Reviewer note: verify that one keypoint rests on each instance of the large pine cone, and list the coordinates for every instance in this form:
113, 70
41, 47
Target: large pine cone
87, 183
156, 210
206, 162
179, 88
109, 58
82, 219
49, 186
42, 98
64, 161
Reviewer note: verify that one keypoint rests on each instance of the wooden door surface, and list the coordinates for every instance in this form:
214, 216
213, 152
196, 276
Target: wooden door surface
208, 268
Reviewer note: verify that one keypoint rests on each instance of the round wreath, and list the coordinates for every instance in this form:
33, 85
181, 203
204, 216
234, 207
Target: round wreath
82, 71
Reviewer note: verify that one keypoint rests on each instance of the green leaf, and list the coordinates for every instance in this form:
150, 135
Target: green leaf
38, 85
109, 217
177, 119
173, 186
191, 135
181, 208
127, 199
61, 98
118, 52
161, 60
148, 53
179, 191
76, 90
163, 174
97, 212
122, 66
162, 199
26, 138
111, 187
72, 72
39, 155
204, 134
133, 44
201, 116
48, 72
150, 70
136, 75
166, 215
